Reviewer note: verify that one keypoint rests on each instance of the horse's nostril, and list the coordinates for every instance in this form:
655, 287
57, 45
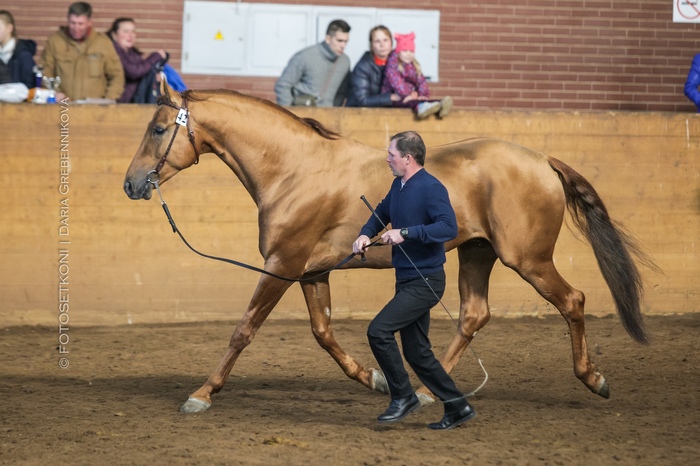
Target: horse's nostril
127, 188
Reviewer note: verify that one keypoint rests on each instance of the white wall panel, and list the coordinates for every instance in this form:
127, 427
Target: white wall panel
257, 39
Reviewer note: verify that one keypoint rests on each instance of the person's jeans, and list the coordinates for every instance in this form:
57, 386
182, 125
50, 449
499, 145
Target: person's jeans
408, 313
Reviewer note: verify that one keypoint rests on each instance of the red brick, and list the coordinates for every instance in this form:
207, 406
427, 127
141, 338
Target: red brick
544, 54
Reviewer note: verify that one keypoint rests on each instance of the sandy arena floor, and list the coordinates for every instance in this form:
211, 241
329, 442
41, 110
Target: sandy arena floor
288, 403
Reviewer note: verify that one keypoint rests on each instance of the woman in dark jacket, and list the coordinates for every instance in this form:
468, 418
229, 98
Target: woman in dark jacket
366, 78
136, 67
16, 55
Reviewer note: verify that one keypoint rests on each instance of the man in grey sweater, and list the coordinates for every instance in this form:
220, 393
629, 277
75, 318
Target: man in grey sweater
321, 71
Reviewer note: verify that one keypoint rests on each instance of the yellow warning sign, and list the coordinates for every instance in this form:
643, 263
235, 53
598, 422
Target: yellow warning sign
219, 36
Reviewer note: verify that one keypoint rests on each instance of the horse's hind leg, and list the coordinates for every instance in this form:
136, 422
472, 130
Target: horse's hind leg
476, 259
570, 303
318, 300
266, 296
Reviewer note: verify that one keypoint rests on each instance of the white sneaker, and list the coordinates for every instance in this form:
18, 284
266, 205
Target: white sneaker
425, 109
445, 107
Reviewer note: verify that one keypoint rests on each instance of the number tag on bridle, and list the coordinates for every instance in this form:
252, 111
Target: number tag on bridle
181, 117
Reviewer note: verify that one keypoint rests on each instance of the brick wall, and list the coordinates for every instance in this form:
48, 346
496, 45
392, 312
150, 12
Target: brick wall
496, 54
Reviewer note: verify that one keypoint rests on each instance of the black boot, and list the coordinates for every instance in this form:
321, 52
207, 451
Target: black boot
399, 408
457, 411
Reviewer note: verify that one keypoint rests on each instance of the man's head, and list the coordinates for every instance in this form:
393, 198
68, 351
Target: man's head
337, 36
7, 27
406, 153
410, 143
79, 20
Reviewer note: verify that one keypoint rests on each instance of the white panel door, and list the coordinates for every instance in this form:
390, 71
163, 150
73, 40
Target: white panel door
214, 37
278, 32
258, 39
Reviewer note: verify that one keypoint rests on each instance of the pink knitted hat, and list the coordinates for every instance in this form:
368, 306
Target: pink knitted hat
405, 42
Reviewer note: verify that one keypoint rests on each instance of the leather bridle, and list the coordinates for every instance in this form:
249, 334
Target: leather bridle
182, 119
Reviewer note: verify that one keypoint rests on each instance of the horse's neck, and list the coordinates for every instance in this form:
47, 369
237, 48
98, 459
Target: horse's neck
258, 142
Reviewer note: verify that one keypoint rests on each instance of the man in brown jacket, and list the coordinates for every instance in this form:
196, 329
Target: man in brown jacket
84, 59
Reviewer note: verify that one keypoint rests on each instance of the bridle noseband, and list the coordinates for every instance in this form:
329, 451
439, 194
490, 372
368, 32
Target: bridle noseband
182, 119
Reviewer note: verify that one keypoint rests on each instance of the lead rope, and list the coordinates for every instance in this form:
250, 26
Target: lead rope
155, 182
456, 324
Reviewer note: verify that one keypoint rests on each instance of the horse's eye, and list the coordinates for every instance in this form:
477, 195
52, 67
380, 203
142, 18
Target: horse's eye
158, 131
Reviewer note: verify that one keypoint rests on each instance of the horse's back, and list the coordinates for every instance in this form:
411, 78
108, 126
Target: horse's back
500, 191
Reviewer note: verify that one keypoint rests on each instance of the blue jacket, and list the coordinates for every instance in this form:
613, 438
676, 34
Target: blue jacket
693, 81
423, 206
21, 63
366, 84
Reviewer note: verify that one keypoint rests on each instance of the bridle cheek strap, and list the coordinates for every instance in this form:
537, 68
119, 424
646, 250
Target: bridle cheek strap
182, 119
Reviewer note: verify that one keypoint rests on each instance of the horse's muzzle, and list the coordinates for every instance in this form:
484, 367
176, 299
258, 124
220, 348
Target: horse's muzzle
136, 192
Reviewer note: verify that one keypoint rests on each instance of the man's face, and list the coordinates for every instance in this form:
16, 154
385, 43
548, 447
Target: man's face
78, 26
395, 161
338, 41
5, 31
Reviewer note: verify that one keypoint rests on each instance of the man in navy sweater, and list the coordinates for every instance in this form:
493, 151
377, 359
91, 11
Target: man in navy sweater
422, 219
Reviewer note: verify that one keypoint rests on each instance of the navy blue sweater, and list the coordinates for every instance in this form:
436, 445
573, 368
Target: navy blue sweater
423, 206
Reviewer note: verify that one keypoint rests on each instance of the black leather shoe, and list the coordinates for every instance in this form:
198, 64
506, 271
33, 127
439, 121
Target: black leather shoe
454, 416
399, 409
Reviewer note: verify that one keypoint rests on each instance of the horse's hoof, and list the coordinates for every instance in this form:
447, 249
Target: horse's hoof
194, 405
379, 382
424, 399
603, 388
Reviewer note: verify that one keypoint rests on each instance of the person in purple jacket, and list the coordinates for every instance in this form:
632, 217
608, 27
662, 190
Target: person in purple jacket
422, 220
693, 81
403, 76
136, 67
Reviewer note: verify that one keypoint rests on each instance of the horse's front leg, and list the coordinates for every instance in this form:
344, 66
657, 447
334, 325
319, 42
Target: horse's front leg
267, 294
318, 300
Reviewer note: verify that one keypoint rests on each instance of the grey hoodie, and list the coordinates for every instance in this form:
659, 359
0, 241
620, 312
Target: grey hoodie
307, 73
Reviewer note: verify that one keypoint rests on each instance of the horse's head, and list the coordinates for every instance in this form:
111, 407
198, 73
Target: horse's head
163, 152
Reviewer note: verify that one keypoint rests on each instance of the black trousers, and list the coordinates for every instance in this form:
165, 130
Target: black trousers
409, 314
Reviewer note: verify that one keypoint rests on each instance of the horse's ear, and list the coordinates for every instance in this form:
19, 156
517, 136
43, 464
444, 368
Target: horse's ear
168, 92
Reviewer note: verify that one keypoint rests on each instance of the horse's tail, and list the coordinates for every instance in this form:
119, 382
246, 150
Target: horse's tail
612, 247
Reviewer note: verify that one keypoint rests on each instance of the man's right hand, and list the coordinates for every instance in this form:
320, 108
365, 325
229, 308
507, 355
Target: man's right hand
360, 244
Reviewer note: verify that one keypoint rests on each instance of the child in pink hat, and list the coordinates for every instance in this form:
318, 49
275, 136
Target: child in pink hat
403, 76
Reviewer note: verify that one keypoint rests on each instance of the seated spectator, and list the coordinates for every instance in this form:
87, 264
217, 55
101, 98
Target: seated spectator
84, 59
693, 81
16, 55
404, 77
136, 67
318, 75
367, 76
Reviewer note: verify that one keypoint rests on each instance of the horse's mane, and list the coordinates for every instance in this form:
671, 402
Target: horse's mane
316, 125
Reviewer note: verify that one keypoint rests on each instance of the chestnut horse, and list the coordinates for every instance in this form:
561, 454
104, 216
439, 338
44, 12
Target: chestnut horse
307, 181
